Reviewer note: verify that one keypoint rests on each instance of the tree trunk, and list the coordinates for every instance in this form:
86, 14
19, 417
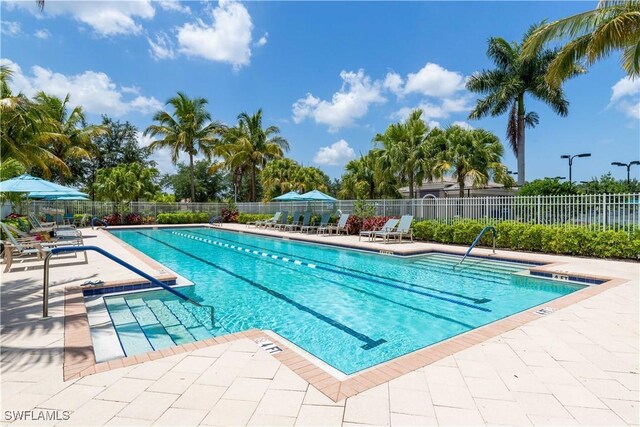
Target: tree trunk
193, 179
411, 185
520, 139
461, 185
253, 182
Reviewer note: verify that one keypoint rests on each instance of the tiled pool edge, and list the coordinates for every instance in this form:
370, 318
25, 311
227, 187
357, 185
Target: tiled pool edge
79, 359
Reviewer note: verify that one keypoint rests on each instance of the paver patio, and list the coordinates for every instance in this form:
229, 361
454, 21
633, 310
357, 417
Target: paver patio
578, 365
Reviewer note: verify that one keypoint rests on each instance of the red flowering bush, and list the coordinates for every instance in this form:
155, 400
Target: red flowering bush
229, 215
113, 219
133, 219
354, 224
374, 222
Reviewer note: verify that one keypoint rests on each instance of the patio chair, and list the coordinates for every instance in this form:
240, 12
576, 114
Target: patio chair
82, 221
404, 229
295, 220
324, 221
59, 235
298, 224
30, 246
283, 220
388, 226
263, 223
338, 228
45, 226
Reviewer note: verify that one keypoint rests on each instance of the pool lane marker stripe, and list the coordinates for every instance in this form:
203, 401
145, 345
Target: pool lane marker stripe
370, 275
369, 342
344, 273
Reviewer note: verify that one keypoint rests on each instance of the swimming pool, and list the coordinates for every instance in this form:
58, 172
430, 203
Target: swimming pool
348, 308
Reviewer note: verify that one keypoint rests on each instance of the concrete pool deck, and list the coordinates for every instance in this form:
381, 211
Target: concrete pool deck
578, 365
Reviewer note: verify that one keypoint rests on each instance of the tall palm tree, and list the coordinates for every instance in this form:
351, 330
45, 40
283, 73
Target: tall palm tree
189, 128
505, 87
403, 150
614, 25
470, 155
65, 134
248, 147
22, 125
364, 179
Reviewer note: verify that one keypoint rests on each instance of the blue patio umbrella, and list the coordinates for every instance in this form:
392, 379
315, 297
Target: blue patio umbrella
317, 196
65, 197
291, 196
37, 187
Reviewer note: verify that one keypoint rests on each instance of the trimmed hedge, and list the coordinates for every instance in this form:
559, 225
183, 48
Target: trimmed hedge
183, 218
244, 218
552, 239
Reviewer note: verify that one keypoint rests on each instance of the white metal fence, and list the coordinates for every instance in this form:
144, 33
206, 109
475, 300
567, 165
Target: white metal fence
601, 211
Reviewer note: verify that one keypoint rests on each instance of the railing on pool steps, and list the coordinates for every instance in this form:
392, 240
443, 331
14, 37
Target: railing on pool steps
45, 296
476, 241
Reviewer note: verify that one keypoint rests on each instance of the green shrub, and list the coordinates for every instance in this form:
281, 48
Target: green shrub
245, 217
553, 239
183, 218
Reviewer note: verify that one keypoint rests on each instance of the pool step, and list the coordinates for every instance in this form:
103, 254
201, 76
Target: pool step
154, 324
467, 272
494, 264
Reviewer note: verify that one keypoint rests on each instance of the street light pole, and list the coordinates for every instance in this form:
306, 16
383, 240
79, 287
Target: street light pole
570, 157
628, 166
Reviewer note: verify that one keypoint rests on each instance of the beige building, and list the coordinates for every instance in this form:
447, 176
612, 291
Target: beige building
448, 187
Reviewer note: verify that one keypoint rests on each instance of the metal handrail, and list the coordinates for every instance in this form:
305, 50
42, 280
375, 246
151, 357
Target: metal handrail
475, 242
45, 291
94, 219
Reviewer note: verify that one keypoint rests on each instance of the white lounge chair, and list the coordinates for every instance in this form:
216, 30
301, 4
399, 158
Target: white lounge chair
388, 226
338, 228
403, 230
263, 223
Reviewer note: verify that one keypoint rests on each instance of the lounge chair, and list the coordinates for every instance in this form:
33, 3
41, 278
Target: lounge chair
30, 246
338, 228
324, 221
284, 217
388, 226
45, 226
59, 234
284, 221
297, 224
403, 229
264, 223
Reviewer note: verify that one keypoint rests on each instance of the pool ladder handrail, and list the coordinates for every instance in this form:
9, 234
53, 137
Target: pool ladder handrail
47, 259
477, 240
93, 222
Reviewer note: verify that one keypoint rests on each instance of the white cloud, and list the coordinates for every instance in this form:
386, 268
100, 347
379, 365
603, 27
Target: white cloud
263, 40
10, 28
42, 34
434, 80
443, 110
174, 6
462, 124
226, 39
94, 91
162, 48
625, 97
337, 153
393, 82
106, 18
350, 103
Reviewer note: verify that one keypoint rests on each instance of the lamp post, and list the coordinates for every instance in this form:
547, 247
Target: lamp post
567, 156
559, 177
628, 166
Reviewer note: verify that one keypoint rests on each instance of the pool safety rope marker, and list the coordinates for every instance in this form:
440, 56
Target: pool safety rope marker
310, 265
241, 249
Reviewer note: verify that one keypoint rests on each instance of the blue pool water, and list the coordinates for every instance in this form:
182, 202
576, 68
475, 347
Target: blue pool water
349, 308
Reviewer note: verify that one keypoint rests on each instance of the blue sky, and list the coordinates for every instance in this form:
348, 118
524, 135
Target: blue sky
329, 74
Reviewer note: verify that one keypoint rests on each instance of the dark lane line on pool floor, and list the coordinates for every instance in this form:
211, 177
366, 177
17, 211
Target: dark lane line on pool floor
362, 291
241, 250
453, 294
369, 342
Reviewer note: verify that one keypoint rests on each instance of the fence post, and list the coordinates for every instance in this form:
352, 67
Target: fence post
604, 212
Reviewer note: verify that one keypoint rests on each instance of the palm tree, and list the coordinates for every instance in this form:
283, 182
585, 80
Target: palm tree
248, 147
505, 87
403, 150
189, 129
612, 25
22, 124
65, 134
469, 154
